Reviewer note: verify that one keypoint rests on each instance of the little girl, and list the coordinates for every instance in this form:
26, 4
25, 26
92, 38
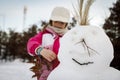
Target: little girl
46, 43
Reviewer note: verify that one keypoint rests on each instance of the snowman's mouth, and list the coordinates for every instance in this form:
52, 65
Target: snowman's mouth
81, 63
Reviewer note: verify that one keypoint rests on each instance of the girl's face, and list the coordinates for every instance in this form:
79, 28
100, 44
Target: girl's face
59, 24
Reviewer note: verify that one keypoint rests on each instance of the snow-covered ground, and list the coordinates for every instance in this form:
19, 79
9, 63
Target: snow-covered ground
15, 70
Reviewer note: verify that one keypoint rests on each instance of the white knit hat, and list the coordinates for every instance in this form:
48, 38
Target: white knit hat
60, 14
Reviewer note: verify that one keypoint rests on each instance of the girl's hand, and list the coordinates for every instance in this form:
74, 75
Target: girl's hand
48, 55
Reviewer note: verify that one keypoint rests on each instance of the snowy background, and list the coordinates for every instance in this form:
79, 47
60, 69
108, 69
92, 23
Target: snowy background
15, 70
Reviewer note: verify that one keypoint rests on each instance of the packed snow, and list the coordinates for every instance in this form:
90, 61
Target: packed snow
15, 70
85, 54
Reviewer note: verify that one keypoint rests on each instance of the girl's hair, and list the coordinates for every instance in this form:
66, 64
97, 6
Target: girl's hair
49, 23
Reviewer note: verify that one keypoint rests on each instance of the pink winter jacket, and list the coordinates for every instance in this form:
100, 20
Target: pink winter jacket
36, 41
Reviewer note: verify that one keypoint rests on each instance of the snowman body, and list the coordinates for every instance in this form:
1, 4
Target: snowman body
85, 54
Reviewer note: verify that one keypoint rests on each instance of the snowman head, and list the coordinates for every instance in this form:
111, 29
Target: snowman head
85, 45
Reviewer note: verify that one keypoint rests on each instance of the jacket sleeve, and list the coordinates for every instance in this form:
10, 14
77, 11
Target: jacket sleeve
33, 43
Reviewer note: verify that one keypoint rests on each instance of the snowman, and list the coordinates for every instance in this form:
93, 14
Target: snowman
85, 54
